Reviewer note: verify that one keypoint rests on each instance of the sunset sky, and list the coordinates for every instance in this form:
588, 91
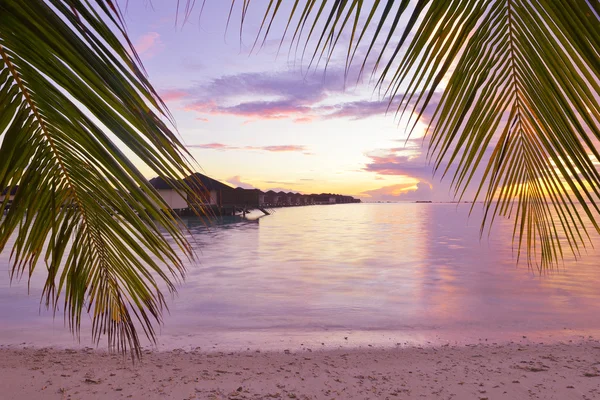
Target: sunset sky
265, 120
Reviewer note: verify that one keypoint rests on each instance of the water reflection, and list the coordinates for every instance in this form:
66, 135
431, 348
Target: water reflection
412, 270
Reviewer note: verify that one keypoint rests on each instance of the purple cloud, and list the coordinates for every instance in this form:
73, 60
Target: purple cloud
236, 181
393, 162
282, 95
359, 109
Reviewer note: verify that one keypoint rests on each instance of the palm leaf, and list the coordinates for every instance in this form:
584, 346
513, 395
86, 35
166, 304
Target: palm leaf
69, 91
520, 101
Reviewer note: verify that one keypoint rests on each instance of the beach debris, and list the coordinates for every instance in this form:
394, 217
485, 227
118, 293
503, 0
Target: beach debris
531, 366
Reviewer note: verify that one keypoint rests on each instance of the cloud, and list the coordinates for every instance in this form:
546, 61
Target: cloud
402, 192
303, 120
292, 95
237, 182
411, 161
265, 95
272, 149
359, 109
173, 95
149, 44
214, 146
407, 161
281, 95
284, 148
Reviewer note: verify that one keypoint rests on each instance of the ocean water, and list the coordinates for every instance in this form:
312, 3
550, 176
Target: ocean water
348, 275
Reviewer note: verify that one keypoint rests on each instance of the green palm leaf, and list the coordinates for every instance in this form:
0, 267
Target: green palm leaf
65, 81
521, 97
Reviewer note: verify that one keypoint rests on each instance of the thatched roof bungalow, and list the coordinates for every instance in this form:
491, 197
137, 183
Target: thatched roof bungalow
323, 198
207, 191
294, 198
165, 189
284, 199
271, 198
244, 197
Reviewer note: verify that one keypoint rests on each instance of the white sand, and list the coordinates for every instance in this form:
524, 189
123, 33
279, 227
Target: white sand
494, 371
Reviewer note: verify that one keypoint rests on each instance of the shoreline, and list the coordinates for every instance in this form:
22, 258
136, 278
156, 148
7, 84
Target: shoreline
513, 370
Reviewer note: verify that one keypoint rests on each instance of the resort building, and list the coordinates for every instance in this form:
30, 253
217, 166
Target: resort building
323, 198
225, 200
207, 191
284, 199
165, 189
294, 198
271, 198
243, 197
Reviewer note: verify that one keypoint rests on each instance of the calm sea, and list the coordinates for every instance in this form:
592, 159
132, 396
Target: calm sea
352, 275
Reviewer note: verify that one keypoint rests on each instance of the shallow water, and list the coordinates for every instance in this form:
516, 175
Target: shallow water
351, 274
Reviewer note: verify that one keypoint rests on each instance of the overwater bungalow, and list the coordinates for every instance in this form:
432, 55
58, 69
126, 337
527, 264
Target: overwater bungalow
323, 198
294, 198
218, 198
244, 197
340, 199
208, 191
283, 199
271, 198
165, 189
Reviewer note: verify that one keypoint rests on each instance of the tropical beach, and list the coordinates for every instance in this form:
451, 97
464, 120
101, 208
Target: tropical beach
521, 370
299, 199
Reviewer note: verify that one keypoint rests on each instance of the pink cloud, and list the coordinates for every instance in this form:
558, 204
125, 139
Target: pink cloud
149, 44
214, 146
279, 149
303, 120
253, 110
272, 149
202, 119
173, 95
237, 182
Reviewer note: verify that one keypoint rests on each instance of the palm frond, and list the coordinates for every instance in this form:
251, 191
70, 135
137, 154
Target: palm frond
519, 92
66, 83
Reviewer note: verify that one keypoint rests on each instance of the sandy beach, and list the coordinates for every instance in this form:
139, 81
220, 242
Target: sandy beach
565, 370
